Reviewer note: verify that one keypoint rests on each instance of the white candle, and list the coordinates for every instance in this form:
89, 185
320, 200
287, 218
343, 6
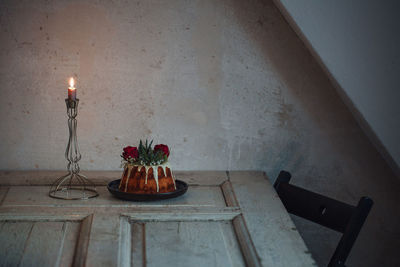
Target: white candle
72, 90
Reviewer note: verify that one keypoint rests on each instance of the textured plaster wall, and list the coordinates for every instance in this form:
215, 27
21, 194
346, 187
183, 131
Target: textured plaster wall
204, 77
226, 84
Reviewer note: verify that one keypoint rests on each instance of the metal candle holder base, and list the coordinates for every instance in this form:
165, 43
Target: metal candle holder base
73, 185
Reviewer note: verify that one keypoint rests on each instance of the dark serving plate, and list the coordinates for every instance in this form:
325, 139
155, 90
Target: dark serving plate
181, 188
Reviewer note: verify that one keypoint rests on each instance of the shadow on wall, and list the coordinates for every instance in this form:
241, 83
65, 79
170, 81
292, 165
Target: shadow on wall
305, 84
327, 150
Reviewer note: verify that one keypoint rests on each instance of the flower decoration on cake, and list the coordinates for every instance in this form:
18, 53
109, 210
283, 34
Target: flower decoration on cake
146, 170
144, 154
130, 152
162, 148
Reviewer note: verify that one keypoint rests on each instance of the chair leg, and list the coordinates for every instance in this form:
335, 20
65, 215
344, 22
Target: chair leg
283, 177
351, 233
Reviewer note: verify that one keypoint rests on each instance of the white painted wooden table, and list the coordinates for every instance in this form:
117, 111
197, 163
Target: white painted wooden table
225, 219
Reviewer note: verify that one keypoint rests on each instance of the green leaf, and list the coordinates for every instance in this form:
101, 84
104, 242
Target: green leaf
147, 155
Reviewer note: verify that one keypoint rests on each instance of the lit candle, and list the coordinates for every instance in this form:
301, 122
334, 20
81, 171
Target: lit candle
72, 90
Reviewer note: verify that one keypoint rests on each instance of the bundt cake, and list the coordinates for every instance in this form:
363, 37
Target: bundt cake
147, 179
146, 170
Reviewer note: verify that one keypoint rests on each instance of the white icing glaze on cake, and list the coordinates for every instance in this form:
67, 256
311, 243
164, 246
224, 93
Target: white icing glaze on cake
147, 168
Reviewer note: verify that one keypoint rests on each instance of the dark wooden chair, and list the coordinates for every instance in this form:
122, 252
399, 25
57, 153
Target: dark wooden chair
331, 213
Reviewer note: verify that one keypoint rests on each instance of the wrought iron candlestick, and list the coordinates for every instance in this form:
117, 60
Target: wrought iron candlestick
73, 185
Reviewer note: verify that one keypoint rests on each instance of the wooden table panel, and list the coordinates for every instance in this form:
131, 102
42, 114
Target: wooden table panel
273, 233
198, 243
38, 196
13, 236
225, 219
40, 243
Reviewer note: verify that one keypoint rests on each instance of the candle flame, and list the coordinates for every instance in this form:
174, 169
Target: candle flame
71, 82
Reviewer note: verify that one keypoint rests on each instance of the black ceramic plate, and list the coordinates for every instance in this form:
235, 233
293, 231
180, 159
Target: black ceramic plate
181, 188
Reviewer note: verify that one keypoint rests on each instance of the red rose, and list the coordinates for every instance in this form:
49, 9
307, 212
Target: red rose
163, 148
130, 152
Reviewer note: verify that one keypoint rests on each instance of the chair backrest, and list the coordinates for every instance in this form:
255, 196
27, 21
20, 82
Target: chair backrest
331, 213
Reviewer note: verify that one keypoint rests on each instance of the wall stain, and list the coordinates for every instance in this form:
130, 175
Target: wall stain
158, 63
285, 116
